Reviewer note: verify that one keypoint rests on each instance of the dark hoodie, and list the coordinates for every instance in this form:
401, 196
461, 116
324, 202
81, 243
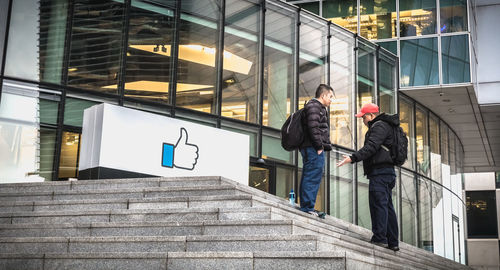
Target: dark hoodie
380, 132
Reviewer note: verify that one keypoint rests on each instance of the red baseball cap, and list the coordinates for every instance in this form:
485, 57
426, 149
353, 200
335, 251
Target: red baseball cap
367, 108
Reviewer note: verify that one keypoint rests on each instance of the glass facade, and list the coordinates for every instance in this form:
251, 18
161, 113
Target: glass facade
244, 67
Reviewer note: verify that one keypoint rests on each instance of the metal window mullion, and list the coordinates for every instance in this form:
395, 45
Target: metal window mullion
397, 20
220, 61
5, 45
174, 59
358, 4
355, 124
296, 93
396, 85
62, 102
123, 55
440, 62
415, 177
377, 90
260, 86
328, 165
416, 180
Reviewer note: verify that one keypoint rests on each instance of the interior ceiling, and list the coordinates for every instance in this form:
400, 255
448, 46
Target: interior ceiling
476, 126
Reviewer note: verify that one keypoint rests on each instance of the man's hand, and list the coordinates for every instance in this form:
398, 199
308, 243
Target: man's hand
346, 159
320, 151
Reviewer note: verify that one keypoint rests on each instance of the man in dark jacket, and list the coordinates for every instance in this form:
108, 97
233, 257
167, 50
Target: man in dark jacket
316, 142
379, 168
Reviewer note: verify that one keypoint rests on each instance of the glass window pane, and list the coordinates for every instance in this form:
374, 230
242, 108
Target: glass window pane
419, 62
312, 7
409, 208
438, 219
456, 67
239, 93
481, 214
284, 182
47, 146
36, 40
70, 147
378, 19
422, 140
73, 111
417, 17
444, 144
406, 121
453, 15
48, 111
4, 10
342, 82
391, 46
387, 83
366, 84
452, 148
271, 149
364, 218
149, 50
312, 69
343, 13
435, 149
278, 65
96, 45
425, 214
259, 178
341, 194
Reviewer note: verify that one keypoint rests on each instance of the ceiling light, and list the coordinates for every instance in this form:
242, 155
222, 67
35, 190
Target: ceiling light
451, 110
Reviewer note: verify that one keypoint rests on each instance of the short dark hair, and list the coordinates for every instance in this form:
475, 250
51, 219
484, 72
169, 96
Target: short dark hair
323, 88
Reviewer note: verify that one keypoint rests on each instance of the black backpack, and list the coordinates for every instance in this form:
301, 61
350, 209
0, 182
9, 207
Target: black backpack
292, 131
399, 150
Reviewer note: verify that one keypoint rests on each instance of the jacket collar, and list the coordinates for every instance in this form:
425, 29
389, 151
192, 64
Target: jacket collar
379, 117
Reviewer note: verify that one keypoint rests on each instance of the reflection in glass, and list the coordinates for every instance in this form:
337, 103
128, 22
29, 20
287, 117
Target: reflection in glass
259, 178
378, 19
196, 73
239, 87
341, 195
453, 15
312, 57
481, 214
451, 141
425, 214
409, 208
149, 50
47, 146
73, 111
391, 46
48, 111
366, 84
312, 7
455, 57
438, 235
364, 218
96, 41
387, 83
422, 142
342, 82
406, 123
278, 65
284, 181
417, 17
271, 149
435, 149
343, 13
70, 147
419, 62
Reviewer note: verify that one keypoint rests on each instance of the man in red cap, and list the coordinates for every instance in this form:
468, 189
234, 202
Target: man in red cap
378, 165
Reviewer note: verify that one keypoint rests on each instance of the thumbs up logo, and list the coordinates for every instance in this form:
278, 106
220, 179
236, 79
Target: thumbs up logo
182, 155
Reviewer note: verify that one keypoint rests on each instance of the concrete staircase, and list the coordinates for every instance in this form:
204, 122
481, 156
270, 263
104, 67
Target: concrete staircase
180, 223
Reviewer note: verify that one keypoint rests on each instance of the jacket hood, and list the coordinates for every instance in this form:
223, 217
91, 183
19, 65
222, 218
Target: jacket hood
391, 119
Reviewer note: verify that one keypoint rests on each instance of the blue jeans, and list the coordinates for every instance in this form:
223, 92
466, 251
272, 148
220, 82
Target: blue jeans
312, 171
384, 220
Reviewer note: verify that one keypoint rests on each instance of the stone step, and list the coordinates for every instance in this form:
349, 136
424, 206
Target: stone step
176, 260
107, 184
131, 215
173, 228
129, 193
220, 201
201, 243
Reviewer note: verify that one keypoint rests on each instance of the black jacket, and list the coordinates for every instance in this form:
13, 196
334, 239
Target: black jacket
316, 127
380, 132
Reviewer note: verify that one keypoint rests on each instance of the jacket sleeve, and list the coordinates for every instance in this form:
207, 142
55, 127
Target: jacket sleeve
313, 115
372, 143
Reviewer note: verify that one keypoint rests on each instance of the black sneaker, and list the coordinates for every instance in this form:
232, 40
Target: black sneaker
394, 248
380, 244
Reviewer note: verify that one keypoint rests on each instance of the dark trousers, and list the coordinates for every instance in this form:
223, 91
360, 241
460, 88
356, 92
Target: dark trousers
384, 220
312, 171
